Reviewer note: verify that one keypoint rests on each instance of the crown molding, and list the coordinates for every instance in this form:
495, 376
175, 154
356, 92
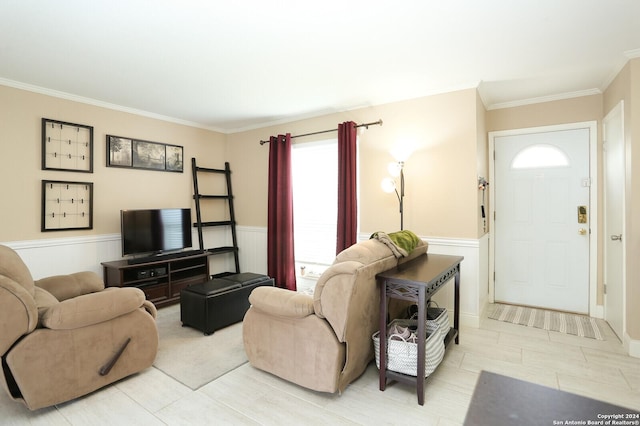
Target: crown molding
632, 54
542, 99
94, 102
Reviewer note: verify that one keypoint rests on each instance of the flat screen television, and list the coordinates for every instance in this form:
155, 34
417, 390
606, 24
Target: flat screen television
154, 231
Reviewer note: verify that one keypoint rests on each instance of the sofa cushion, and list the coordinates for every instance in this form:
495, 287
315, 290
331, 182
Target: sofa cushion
92, 308
64, 287
281, 302
12, 267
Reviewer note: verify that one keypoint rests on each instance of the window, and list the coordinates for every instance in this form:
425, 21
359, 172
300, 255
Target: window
315, 201
540, 156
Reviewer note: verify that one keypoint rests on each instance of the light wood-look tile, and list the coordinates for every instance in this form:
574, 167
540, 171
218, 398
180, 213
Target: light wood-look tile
247, 396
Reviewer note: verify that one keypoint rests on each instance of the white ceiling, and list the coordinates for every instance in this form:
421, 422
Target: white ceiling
236, 65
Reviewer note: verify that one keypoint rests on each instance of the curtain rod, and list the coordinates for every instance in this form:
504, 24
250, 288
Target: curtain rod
365, 125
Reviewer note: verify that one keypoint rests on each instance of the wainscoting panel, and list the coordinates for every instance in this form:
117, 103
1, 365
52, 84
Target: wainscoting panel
252, 249
473, 276
59, 256
66, 255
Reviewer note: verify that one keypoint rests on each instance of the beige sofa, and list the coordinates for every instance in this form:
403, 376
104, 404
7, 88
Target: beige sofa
65, 336
322, 342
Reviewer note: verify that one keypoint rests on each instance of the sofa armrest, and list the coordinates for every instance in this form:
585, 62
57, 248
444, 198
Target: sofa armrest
18, 313
281, 302
64, 287
92, 308
150, 308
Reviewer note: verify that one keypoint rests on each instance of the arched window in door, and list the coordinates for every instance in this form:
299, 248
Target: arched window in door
540, 156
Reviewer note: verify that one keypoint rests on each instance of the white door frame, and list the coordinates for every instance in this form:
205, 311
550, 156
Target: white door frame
594, 309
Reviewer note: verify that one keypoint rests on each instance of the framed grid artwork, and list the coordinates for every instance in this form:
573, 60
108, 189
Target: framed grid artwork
67, 146
66, 205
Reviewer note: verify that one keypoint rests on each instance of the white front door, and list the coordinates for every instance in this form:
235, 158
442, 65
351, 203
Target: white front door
614, 170
541, 221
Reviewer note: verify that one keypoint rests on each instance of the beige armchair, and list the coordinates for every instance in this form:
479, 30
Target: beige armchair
322, 342
65, 336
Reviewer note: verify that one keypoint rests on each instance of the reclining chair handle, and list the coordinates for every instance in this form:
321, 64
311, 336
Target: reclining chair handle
105, 369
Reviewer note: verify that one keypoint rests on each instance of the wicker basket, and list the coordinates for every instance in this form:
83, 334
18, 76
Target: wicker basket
439, 315
402, 356
434, 313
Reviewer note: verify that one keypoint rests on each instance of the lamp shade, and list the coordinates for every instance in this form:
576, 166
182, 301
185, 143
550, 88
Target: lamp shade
394, 169
388, 185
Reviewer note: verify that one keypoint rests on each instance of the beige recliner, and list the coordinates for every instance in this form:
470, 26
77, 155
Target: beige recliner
322, 342
65, 336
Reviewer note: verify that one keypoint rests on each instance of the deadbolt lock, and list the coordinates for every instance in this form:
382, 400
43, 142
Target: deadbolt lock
582, 214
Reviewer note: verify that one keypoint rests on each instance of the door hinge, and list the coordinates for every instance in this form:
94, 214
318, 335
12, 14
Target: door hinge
605, 289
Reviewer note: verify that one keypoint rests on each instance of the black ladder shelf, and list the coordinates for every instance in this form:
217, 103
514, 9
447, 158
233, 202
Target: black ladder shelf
200, 224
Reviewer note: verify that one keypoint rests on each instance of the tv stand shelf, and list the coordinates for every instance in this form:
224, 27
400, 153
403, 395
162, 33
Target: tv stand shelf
162, 279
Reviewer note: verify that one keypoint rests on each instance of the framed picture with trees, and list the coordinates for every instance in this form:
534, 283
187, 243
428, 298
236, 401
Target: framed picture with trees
140, 154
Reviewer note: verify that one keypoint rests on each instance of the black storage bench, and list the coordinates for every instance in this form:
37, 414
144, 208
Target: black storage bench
219, 302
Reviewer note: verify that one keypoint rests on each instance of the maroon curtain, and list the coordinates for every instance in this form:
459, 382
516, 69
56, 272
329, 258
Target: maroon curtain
347, 186
280, 257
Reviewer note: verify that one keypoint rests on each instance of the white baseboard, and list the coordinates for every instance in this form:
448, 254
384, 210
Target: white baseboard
471, 321
632, 346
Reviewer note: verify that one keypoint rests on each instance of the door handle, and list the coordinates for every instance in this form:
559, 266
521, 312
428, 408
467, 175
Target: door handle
616, 237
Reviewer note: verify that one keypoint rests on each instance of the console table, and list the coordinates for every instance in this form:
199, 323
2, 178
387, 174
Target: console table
416, 281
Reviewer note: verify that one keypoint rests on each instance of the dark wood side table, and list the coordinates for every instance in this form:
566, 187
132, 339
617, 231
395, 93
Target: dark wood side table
416, 281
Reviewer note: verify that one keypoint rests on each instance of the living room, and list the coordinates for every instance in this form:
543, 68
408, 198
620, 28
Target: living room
448, 133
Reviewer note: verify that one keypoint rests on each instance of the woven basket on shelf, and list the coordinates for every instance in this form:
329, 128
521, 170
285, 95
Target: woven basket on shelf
434, 313
402, 355
439, 315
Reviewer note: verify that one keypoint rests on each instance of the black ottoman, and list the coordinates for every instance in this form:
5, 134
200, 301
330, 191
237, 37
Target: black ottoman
219, 302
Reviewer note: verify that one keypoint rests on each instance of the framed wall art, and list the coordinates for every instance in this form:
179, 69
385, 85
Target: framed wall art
67, 146
66, 205
140, 154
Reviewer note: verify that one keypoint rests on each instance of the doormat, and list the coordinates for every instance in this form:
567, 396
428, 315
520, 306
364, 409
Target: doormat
578, 325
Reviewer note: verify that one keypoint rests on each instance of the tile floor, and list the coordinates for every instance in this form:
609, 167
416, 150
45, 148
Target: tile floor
597, 369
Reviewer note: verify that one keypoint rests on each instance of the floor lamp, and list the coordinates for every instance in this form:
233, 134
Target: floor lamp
389, 186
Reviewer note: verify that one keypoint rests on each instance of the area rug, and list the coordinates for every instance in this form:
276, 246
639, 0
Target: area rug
578, 325
192, 358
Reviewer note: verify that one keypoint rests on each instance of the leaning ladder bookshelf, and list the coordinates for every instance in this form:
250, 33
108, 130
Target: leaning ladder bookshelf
202, 201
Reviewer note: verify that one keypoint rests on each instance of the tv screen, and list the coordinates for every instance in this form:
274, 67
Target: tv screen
155, 230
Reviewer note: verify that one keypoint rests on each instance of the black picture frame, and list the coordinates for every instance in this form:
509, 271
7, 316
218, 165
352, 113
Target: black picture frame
133, 153
67, 146
66, 205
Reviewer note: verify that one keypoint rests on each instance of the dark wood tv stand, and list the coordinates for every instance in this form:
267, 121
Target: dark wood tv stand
162, 279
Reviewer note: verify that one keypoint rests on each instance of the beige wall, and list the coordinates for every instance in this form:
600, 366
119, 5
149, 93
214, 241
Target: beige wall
482, 157
572, 110
114, 188
626, 87
440, 174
